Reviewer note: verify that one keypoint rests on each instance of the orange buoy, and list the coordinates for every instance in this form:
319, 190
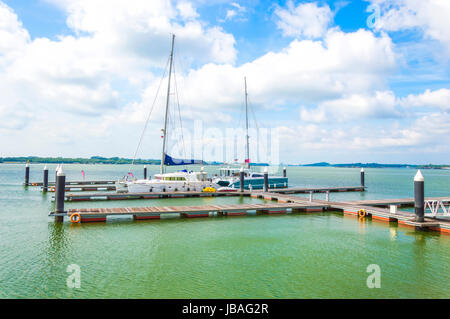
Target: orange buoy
75, 218
361, 213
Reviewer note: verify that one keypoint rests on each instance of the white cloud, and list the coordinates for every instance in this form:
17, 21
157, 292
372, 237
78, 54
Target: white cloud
95, 87
439, 99
306, 19
116, 42
304, 72
355, 106
235, 13
187, 11
431, 16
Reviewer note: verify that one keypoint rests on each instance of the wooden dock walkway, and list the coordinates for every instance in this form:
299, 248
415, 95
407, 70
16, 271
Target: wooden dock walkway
156, 195
150, 195
106, 182
383, 214
139, 213
285, 203
397, 201
302, 190
88, 188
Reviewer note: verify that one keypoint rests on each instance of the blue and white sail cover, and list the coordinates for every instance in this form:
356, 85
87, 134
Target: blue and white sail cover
170, 161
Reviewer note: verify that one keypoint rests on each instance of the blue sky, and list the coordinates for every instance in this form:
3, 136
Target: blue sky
332, 87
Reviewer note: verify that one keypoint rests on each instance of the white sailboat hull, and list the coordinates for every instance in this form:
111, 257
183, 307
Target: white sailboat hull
168, 186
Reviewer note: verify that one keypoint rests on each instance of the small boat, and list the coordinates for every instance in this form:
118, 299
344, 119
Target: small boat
229, 178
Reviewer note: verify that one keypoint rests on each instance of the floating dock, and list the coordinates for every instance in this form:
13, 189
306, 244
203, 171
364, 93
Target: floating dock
108, 182
141, 213
301, 190
88, 188
151, 195
284, 204
157, 195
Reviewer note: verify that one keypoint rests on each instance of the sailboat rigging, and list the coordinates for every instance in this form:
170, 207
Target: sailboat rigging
229, 176
176, 181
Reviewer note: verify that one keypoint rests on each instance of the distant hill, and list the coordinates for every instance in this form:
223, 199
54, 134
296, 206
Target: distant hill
139, 161
376, 165
77, 160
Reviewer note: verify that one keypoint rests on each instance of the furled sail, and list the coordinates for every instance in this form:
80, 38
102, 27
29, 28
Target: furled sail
170, 161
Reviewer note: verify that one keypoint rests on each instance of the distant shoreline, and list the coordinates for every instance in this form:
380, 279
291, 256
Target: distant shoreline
124, 161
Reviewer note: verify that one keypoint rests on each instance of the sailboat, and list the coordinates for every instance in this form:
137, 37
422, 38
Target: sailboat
183, 180
228, 177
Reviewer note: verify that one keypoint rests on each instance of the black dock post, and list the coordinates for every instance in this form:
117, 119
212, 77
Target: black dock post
419, 197
60, 194
27, 174
45, 180
362, 177
145, 171
241, 179
284, 172
266, 180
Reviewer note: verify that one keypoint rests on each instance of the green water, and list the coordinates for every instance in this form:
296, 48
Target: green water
289, 256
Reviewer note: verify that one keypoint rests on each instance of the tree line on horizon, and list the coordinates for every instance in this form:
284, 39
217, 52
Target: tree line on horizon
139, 161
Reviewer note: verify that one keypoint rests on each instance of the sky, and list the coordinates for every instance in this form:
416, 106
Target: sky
335, 81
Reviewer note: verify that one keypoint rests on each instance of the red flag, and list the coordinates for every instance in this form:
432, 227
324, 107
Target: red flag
247, 160
82, 173
131, 174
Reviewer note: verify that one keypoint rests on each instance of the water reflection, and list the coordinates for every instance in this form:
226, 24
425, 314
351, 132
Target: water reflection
419, 251
393, 232
58, 243
362, 225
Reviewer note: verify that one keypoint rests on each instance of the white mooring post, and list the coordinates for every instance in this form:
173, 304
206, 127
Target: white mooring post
27, 174
45, 180
419, 196
60, 194
362, 177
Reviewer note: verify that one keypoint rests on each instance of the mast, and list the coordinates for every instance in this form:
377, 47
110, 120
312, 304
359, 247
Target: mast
163, 156
246, 125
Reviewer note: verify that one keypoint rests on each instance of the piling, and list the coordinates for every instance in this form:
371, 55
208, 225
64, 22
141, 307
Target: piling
145, 172
362, 177
327, 197
60, 194
284, 172
56, 175
419, 197
241, 178
266, 180
27, 174
310, 196
45, 180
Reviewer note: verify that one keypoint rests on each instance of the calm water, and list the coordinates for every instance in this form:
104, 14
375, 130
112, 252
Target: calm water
289, 256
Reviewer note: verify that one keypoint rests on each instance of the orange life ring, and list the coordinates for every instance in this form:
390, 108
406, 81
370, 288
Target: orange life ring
77, 220
361, 213
52, 189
